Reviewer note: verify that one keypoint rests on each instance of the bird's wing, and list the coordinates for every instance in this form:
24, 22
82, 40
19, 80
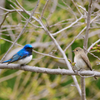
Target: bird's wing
86, 60
18, 56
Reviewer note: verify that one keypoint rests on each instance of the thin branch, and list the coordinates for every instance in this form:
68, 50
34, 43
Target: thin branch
8, 11
68, 26
94, 55
75, 39
44, 54
53, 8
76, 7
83, 96
44, 8
70, 9
88, 26
9, 41
19, 12
61, 22
93, 45
82, 8
4, 19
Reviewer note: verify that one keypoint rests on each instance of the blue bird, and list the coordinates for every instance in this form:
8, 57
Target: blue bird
23, 56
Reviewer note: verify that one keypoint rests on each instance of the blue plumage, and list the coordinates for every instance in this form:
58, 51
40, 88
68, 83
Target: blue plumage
23, 56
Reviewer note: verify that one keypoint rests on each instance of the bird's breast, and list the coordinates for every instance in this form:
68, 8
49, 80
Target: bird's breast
25, 60
79, 63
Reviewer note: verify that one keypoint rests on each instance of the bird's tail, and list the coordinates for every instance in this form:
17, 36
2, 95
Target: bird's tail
6, 61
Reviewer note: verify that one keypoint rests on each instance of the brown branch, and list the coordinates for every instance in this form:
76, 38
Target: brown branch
4, 19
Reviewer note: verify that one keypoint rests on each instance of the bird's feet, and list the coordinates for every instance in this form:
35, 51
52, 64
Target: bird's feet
23, 65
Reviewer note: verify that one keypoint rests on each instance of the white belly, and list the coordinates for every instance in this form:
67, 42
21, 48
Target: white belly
79, 64
25, 60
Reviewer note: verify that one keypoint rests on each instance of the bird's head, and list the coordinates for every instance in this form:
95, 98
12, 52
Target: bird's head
78, 50
28, 47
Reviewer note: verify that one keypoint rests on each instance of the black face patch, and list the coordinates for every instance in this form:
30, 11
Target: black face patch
29, 49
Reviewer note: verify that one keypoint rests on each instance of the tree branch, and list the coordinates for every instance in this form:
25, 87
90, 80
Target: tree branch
48, 70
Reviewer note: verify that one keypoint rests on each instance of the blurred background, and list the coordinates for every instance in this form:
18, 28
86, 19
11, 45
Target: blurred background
55, 15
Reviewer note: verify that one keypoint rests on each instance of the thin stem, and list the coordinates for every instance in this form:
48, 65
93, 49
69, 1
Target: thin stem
83, 96
88, 26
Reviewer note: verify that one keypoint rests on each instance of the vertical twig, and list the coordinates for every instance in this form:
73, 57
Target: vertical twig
44, 8
83, 96
88, 26
85, 48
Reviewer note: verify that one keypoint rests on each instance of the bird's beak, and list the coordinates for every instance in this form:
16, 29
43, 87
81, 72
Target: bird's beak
32, 47
72, 50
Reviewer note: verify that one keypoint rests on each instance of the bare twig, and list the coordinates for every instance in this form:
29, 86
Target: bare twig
44, 8
76, 7
70, 9
53, 8
19, 12
94, 55
68, 26
4, 19
9, 41
93, 45
84, 9
75, 38
83, 96
47, 55
88, 26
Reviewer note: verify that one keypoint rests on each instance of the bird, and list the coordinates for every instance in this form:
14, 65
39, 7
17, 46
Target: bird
81, 60
23, 56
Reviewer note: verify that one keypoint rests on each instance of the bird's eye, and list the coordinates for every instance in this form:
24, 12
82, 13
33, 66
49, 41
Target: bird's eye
76, 50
